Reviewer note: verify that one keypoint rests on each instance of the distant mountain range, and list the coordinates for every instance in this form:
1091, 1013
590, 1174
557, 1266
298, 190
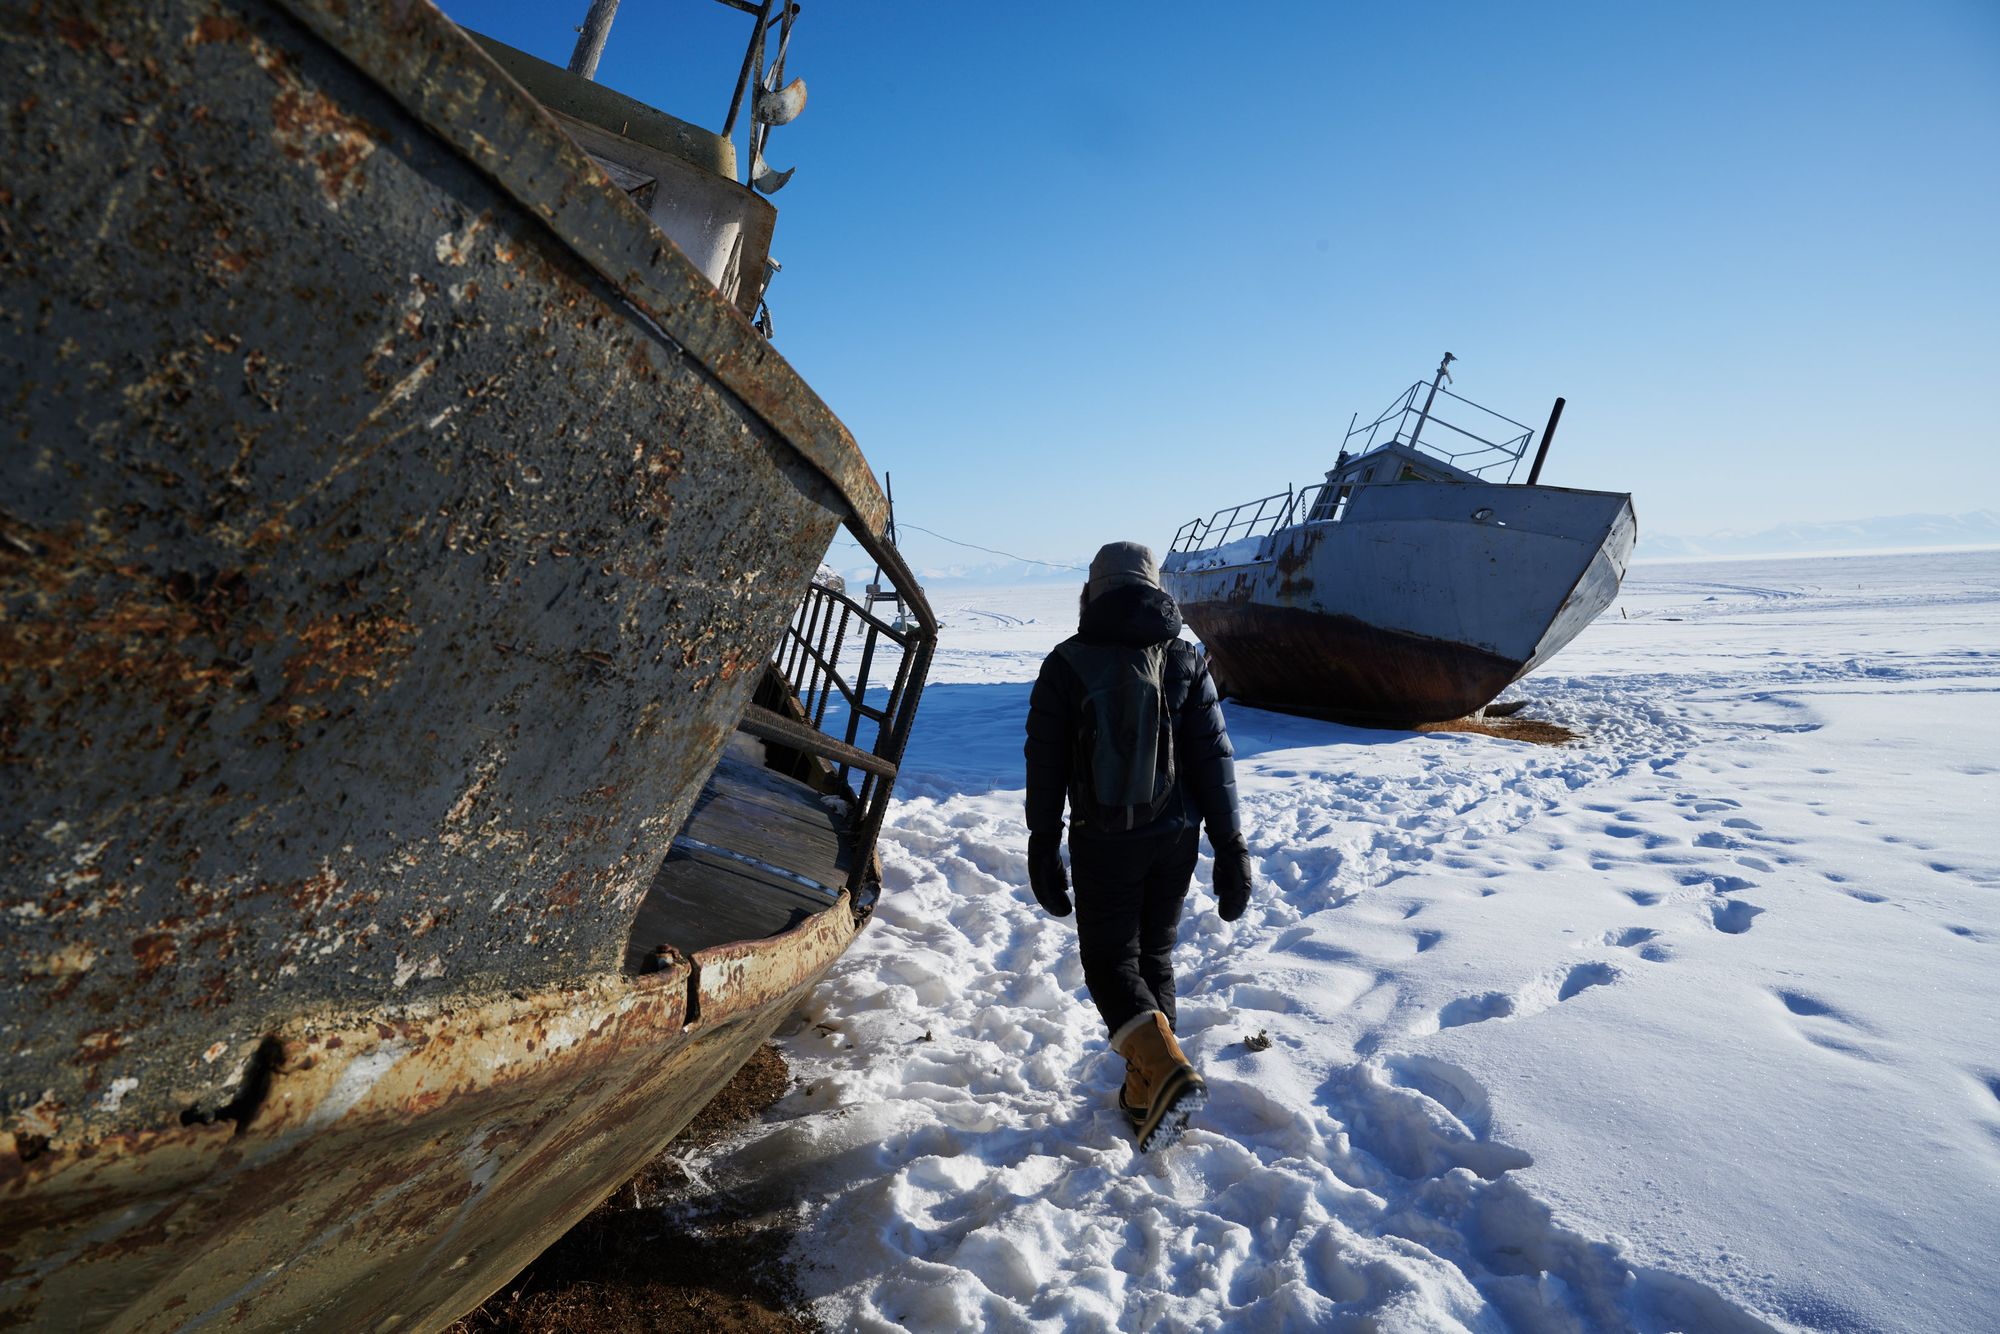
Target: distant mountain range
1978, 528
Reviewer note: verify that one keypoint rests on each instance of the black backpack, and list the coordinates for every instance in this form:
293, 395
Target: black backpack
1123, 753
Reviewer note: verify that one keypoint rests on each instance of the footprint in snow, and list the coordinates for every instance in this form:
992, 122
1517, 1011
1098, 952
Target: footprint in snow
1824, 1023
1810, 1007
1721, 884
1539, 995
1251, 996
1585, 976
1733, 916
1451, 1087
1321, 951
1644, 939
1420, 1118
1291, 938
1475, 1009
1647, 838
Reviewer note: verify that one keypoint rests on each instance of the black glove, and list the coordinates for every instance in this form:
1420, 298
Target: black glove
1046, 875
1232, 878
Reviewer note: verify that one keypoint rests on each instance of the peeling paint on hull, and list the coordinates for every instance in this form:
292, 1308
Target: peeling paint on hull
392, 1174
392, 529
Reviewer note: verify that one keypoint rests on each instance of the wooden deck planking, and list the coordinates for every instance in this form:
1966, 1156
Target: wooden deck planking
702, 898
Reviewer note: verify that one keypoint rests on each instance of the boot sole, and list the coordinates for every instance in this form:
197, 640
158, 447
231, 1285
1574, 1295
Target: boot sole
1179, 1098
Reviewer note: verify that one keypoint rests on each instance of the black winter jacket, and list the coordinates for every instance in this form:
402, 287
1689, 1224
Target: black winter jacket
1204, 767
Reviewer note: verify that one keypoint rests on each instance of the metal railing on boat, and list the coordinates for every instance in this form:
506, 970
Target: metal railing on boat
1253, 518
1466, 449
1403, 422
850, 682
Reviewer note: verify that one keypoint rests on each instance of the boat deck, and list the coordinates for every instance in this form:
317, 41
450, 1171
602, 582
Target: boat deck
761, 853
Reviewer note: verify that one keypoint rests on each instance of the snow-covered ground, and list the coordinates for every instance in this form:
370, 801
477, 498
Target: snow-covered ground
1692, 1024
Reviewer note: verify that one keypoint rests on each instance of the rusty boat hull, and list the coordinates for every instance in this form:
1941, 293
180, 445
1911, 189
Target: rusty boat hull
1419, 603
393, 529
398, 1169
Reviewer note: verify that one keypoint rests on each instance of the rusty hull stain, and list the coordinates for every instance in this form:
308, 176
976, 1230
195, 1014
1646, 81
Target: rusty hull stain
421, 59
1277, 657
396, 1170
376, 576
389, 520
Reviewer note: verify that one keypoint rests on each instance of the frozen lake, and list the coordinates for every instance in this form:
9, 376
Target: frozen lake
1693, 1023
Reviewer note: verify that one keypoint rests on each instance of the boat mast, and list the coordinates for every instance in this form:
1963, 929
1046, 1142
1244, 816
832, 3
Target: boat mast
591, 37
1425, 415
1548, 434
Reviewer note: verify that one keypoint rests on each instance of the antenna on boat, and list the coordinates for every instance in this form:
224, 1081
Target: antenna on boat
1548, 433
1425, 415
590, 38
875, 591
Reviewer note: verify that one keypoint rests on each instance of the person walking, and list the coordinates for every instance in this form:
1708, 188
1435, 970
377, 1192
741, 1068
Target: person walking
1124, 724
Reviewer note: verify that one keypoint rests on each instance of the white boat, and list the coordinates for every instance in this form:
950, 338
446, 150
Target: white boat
1413, 584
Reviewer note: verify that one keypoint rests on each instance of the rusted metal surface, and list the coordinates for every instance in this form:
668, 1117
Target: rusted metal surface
752, 974
391, 529
1339, 667
391, 1174
429, 66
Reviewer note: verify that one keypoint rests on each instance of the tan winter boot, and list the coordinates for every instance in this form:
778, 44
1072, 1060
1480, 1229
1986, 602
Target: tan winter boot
1161, 1089
1135, 1095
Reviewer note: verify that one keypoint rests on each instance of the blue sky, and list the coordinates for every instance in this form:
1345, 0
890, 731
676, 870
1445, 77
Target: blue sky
1078, 272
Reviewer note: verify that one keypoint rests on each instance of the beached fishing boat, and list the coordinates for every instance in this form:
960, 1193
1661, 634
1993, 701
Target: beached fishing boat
1415, 582
411, 670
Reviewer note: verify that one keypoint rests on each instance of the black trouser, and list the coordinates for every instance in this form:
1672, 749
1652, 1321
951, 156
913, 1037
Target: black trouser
1129, 890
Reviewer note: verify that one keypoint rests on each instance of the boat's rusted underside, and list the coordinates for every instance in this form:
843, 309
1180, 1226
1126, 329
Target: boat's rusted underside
1339, 667
390, 1176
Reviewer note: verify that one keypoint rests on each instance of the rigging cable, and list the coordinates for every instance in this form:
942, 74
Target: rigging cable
994, 551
